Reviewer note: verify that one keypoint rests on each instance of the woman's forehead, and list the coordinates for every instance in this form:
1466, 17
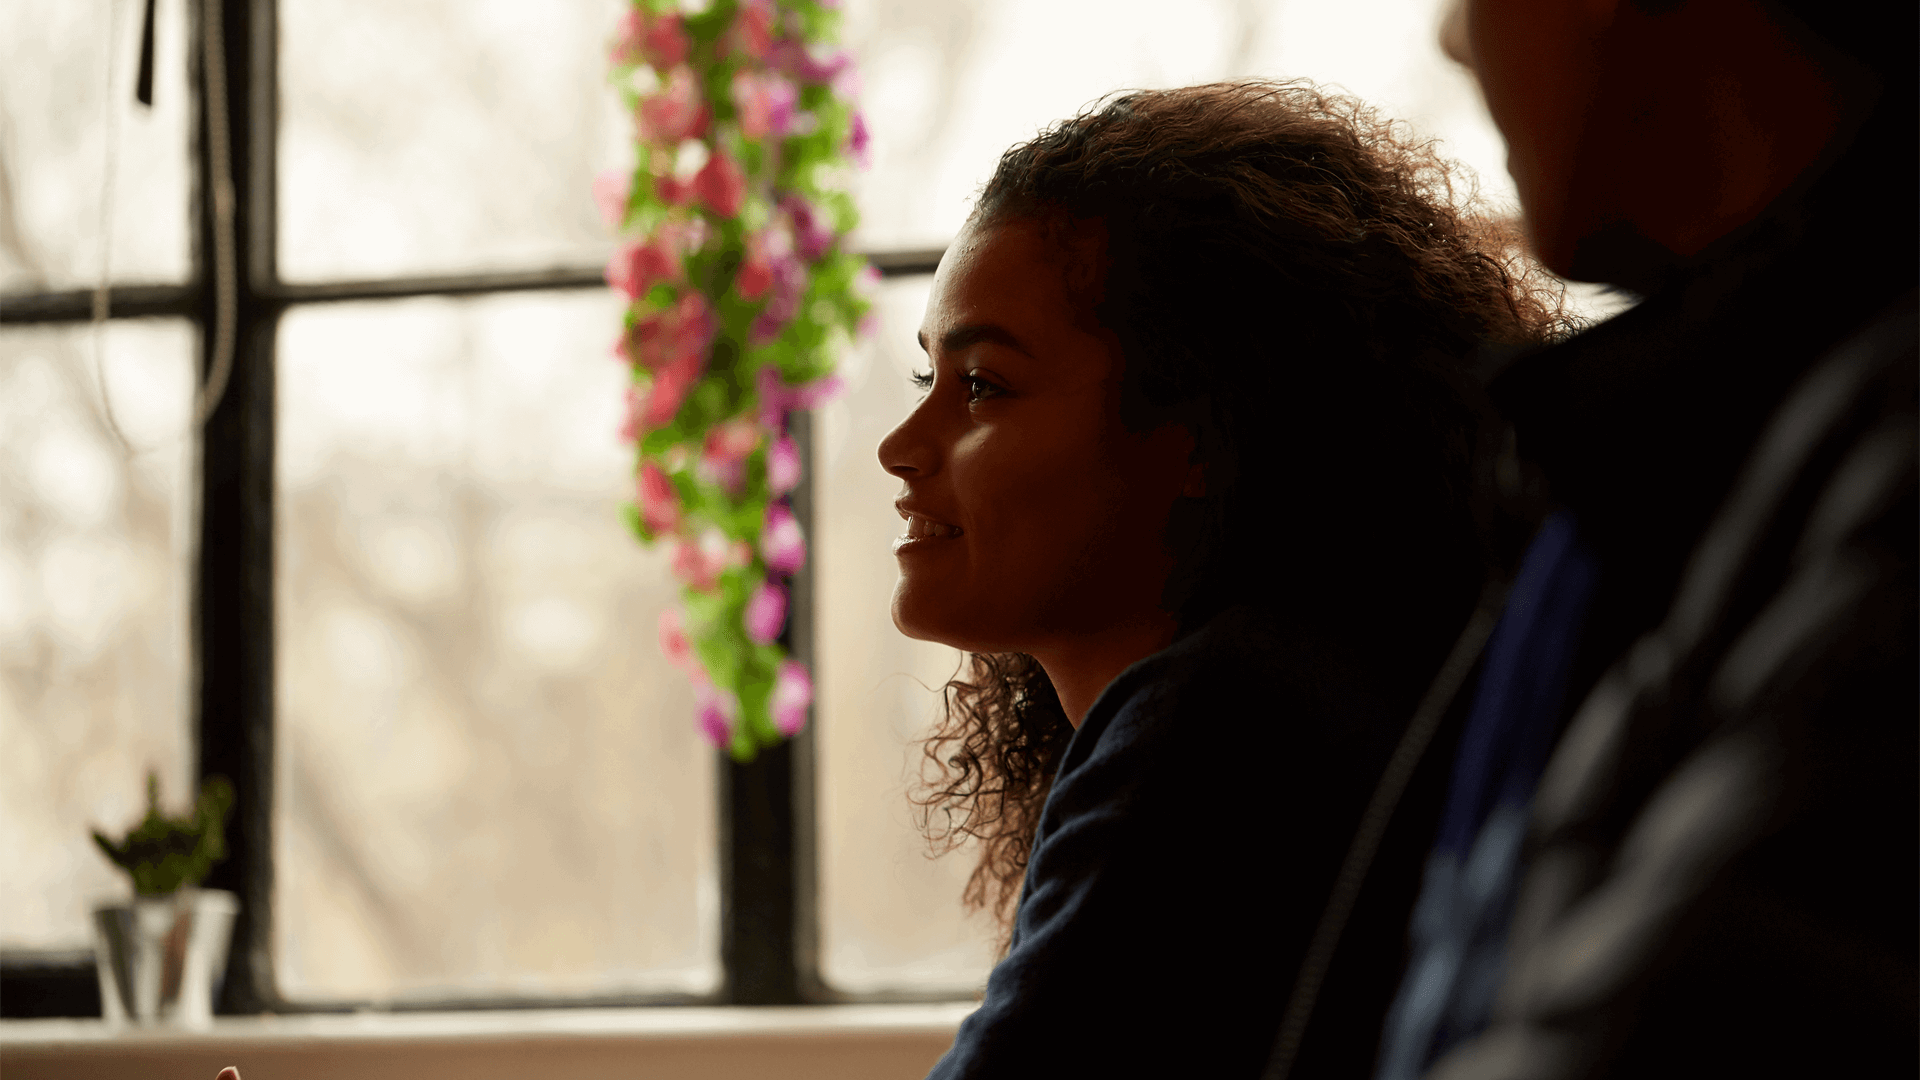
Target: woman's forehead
1013, 274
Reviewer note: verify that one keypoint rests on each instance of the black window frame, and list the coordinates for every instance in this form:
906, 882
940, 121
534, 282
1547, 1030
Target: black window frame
769, 924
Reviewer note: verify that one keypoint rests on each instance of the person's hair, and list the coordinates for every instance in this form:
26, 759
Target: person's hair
1301, 283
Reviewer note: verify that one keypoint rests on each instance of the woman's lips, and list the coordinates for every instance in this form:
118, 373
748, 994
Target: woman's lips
924, 532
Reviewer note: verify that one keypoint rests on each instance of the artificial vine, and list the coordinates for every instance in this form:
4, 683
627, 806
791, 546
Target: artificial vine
740, 293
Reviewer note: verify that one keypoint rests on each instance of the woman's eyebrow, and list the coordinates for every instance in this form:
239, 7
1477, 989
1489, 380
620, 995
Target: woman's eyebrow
961, 337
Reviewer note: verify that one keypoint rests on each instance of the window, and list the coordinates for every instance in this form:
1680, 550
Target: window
390, 597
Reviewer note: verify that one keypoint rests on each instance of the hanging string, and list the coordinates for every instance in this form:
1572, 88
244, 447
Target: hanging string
226, 286
213, 59
102, 290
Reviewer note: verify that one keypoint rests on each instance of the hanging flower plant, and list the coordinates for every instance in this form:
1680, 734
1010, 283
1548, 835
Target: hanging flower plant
739, 293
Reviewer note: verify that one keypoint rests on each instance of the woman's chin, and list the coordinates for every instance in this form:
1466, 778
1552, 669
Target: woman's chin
933, 618
911, 617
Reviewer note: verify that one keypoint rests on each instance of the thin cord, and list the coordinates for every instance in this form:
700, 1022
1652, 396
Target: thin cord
226, 288
1433, 708
102, 290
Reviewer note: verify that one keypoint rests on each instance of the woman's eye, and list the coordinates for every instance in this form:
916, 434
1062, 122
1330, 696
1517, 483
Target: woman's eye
978, 388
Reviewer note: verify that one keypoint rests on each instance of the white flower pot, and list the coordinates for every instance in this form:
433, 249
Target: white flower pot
161, 958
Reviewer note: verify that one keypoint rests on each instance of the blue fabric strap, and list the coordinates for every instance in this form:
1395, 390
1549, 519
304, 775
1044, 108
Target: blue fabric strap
1459, 928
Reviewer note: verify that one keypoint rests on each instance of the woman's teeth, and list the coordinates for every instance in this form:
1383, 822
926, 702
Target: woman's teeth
919, 528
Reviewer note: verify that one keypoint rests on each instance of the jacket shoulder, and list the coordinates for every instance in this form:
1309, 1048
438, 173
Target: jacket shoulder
1721, 851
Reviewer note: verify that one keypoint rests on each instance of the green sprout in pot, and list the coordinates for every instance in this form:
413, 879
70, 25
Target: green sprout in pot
164, 854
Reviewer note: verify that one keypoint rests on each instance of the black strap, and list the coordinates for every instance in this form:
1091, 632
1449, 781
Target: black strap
143, 90
1434, 706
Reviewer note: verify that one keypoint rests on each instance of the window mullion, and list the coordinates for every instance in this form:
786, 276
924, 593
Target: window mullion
768, 922
232, 632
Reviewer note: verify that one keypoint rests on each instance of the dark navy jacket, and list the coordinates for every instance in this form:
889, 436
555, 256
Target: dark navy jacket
1184, 856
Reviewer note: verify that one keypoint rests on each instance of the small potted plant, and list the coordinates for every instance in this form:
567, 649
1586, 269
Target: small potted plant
160, 957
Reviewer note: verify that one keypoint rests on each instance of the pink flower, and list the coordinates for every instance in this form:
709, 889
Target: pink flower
792, 693
755, 277
723, 458
781, 544
628, 34
777, 398
700, 562
659, 503
672, 190
752, 31
732, 441
817, 393
762, 268
847, 85
811, 235
671, 344
789, 283
610, 192
765, 329
783, 465
673, 639
677, 112
671, 384
859, 141
660, 41
634, 268
666, 42
718, 710
721, 184
668, 336
766, 612
765, 102
773, 391
794, 58
636, 405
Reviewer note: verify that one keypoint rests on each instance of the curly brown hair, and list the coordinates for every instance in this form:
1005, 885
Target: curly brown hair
1298, 281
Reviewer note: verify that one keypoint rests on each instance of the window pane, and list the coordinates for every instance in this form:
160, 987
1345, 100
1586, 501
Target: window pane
489, 163
55, 112
490, 782
951, 84
94, 556
890, 917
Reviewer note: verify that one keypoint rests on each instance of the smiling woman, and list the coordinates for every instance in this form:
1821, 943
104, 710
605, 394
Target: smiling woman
1191, 483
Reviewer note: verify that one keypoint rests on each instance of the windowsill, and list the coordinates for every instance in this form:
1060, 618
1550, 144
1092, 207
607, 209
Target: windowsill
841, 1041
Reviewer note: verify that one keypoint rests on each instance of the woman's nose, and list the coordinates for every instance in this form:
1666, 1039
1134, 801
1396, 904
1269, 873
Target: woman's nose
907, 452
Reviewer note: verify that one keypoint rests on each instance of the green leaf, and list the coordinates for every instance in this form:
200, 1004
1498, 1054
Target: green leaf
163, 854
636, 524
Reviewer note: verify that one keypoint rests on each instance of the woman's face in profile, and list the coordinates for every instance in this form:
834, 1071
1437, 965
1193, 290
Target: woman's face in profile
1032, 515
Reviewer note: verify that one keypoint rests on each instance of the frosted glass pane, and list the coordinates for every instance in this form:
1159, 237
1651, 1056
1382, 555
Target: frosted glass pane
55, 113
94, 556
428, 136
951, 84
890, 917
490, 781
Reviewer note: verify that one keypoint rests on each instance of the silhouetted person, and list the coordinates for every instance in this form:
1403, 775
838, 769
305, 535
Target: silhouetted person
1679, 833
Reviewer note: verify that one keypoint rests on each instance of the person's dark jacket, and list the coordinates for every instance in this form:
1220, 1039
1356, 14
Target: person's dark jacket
1721, 873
